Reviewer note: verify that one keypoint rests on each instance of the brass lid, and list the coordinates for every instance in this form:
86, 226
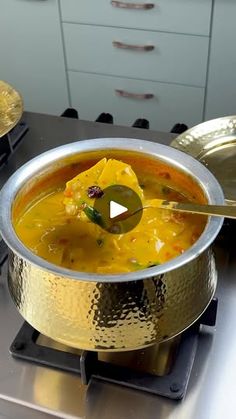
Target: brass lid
213, 143
11, 107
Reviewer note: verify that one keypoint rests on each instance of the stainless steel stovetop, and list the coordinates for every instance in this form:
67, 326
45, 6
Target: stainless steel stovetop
31, 391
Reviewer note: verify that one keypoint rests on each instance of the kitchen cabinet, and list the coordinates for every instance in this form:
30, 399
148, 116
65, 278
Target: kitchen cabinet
221, 87
90, 48
166, 104
180, 16
31, 53
166, 60
138, 59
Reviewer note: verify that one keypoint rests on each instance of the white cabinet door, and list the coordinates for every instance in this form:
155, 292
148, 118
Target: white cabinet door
163, 104
180, 16
174, 58
221, 88
31, 53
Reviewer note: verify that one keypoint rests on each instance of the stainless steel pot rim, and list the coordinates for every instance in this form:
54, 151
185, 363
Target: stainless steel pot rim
162, 152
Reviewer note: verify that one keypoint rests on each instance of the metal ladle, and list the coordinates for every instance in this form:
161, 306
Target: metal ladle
203, 209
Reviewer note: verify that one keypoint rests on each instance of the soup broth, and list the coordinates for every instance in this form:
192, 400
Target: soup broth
42, 224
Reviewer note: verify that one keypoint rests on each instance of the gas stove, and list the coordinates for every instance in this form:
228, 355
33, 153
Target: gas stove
190, 376
163, 369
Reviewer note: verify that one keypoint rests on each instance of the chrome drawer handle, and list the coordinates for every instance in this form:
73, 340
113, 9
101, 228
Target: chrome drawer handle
124, 93
122, 45
127, 5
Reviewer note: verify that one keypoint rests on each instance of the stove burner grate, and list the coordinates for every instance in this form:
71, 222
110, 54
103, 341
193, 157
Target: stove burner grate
10, 141
172, 385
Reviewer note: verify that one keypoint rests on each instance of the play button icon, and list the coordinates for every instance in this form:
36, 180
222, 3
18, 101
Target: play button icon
117, 208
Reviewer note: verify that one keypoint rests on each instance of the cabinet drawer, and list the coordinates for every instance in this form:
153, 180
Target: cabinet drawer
183, 16
137, 54
93, 94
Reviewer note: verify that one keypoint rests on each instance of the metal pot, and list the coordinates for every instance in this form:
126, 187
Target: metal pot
110, 312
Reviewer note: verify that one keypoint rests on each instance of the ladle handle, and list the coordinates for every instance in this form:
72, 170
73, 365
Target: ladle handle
216, 210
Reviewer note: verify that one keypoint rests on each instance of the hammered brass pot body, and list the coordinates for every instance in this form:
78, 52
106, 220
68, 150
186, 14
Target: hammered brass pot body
112, 316
113, 312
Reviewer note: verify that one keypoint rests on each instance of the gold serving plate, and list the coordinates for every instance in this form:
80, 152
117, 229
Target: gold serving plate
11, 107
214, 144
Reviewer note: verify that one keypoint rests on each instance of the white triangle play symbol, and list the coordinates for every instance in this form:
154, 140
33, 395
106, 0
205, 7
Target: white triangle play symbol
116, 209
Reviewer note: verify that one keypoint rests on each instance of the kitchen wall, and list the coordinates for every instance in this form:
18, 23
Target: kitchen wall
31, 53
173, 62
221, 85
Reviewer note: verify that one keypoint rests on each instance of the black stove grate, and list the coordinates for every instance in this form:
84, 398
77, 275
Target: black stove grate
172, 385
107, 118
10, 141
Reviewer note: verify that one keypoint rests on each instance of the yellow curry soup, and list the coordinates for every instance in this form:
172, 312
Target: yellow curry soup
54, 227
